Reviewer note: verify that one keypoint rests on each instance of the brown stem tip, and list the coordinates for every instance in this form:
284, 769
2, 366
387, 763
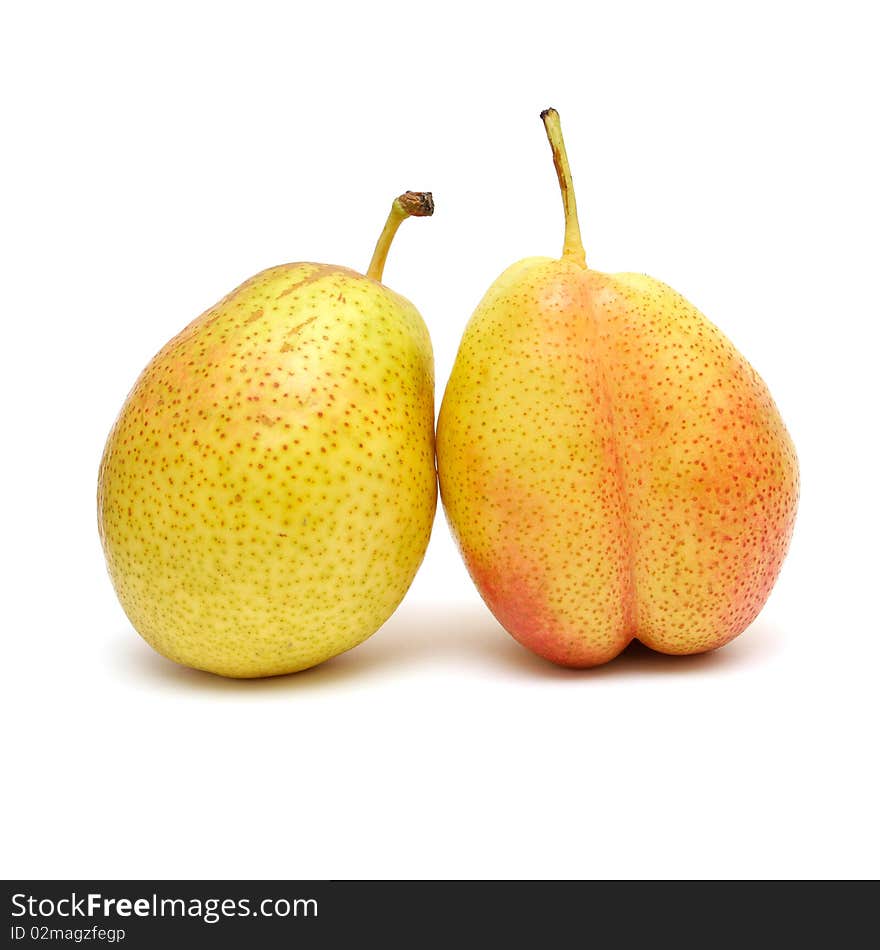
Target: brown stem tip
420, 204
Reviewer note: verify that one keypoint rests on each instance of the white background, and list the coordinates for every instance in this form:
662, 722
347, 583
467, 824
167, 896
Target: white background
157, 155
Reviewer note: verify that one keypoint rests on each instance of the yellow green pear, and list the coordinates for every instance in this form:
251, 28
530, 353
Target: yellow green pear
611, 466
267, 492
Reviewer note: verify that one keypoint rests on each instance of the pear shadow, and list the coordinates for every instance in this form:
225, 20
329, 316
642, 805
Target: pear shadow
755, 645
462, 638
467, 636
416, 636
134, 659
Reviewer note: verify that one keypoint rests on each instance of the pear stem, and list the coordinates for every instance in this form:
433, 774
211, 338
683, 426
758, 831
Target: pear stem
419, 204
572, 247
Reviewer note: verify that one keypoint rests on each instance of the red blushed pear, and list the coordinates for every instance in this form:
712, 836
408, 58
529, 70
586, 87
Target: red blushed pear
610, 465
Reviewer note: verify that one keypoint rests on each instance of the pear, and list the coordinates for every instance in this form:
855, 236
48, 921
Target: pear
610, 466
267, 492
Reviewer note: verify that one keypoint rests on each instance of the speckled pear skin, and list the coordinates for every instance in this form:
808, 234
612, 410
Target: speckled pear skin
267, 493
611, 467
